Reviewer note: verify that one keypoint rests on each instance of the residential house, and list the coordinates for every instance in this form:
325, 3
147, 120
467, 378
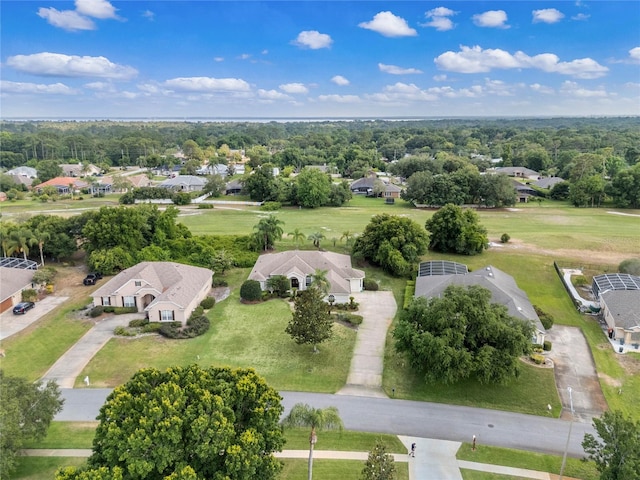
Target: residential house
523, 192
363, 186
184, 183
23, 172
619, 297
432, 282
233, 187
391, 191
518, 172
64, 184
79, 170
548, 182
139, 181
165, 291
12, 282
22, 180
299, 266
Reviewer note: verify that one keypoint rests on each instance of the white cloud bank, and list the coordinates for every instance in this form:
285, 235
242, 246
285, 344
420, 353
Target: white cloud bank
207, 84
60, 65
37, 88
293, 88
340, 80
395, 70
478, 60
313, 39
547, 15
439, 19
389, 25
80, 18
491, 19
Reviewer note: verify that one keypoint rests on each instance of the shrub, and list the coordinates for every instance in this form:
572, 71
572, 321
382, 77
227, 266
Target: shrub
537, 358
350, 318
547, 346
96, 311
250, 291
208, 303
123, 332
271, 206
121, 310
409, 290
109, 309
170, 329
205, 206
182, 198
545, 318
138, 322
579, 280
219, 282
370, 284
198, 311
152, 327
196, 326
505, 238
29, 295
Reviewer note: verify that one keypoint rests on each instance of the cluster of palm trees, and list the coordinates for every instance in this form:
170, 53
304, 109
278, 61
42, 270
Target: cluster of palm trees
16, 241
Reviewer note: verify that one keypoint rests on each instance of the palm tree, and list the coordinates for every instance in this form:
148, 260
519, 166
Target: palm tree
320, 281
315, 238
268, 230
303, 415
19, 242
39, 238
5, 239
297, 235
347, 236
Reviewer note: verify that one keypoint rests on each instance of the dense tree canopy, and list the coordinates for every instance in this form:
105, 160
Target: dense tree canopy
213, 423
313, 188
26, 410
311, 323
616, 450
456, 230
393, 242
461, 335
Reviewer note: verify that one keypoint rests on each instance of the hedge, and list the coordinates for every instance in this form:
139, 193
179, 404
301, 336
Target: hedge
409, 291
251, 291
208, 303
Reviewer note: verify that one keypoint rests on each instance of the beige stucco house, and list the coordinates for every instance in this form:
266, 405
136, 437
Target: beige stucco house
299, 266
166, 291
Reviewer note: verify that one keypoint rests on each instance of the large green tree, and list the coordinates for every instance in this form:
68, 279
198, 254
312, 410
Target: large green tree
218, 422
393, 242
311, 322
379, 465
616, 452
318, 419
314, 188
456, 230
625, 187
26, 410
462, 334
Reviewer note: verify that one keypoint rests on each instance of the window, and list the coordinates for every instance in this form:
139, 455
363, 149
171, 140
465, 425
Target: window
106, 301
166, 316
295, 283
138, 283
308, 280
128, 301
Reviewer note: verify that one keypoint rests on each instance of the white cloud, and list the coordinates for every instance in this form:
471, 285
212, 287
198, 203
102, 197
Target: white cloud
536, 87
148, 14
218, 59
575, 90
476, 60
207, 84
100, 86
272, 95
96, 8
581, 17
491, 18
313, 39
68, 19
395, 70
293, 88
389, 25
37, 88
547, 15
265, 52
439, 19
440, 78
404, 92
340, 80
634, 55
339, 98
57, 64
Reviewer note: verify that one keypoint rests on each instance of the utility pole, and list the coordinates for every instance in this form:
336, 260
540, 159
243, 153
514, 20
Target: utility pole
566, 447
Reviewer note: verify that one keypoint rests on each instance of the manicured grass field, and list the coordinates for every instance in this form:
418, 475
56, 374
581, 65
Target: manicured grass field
348, 441
39, 468
574, 467
240, 336
296, 469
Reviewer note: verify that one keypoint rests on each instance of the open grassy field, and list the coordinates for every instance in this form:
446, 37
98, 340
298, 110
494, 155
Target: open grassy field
295, 469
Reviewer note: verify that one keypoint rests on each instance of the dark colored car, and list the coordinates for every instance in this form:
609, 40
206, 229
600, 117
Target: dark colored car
22, 307
92, 278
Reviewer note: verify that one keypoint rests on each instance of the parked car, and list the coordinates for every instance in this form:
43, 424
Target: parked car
22, 307
92, 278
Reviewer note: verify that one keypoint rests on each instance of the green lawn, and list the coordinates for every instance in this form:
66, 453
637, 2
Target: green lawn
298, 439
240, 336
574, 467
296, 469
67, 435
38, 468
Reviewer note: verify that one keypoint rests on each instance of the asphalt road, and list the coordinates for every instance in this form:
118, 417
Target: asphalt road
403, 417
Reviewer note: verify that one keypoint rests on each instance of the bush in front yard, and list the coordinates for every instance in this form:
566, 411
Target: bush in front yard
138, 322
370, 284
545, 318
96, 311
208, 303
547, 346
29, 295
537, 358
152, 327
250, 291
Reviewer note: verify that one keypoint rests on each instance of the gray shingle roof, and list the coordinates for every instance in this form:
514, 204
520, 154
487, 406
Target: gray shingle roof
12, 280
502, 286
624, 306
173, 282
188, 180
306, 262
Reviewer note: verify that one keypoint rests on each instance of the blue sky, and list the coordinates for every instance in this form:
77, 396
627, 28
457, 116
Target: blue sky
185, 59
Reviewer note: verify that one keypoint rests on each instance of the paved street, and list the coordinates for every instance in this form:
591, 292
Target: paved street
403, 417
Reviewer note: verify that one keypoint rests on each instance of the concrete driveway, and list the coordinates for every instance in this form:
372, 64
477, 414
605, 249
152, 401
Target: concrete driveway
11, 324
574, 367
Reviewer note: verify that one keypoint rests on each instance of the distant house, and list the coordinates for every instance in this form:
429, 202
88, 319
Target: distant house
12, 282
214, 169
23, 172
504, 290
619, 297
518, 172
363, 186
184, 183
166, 291
233, 188
391, 191
22, 180
138, 181
299, 266
548, 182
523, 192
79, 170
101, 186
64, 184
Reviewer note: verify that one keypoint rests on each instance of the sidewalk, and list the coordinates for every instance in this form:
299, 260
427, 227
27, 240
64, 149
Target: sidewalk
428, 464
